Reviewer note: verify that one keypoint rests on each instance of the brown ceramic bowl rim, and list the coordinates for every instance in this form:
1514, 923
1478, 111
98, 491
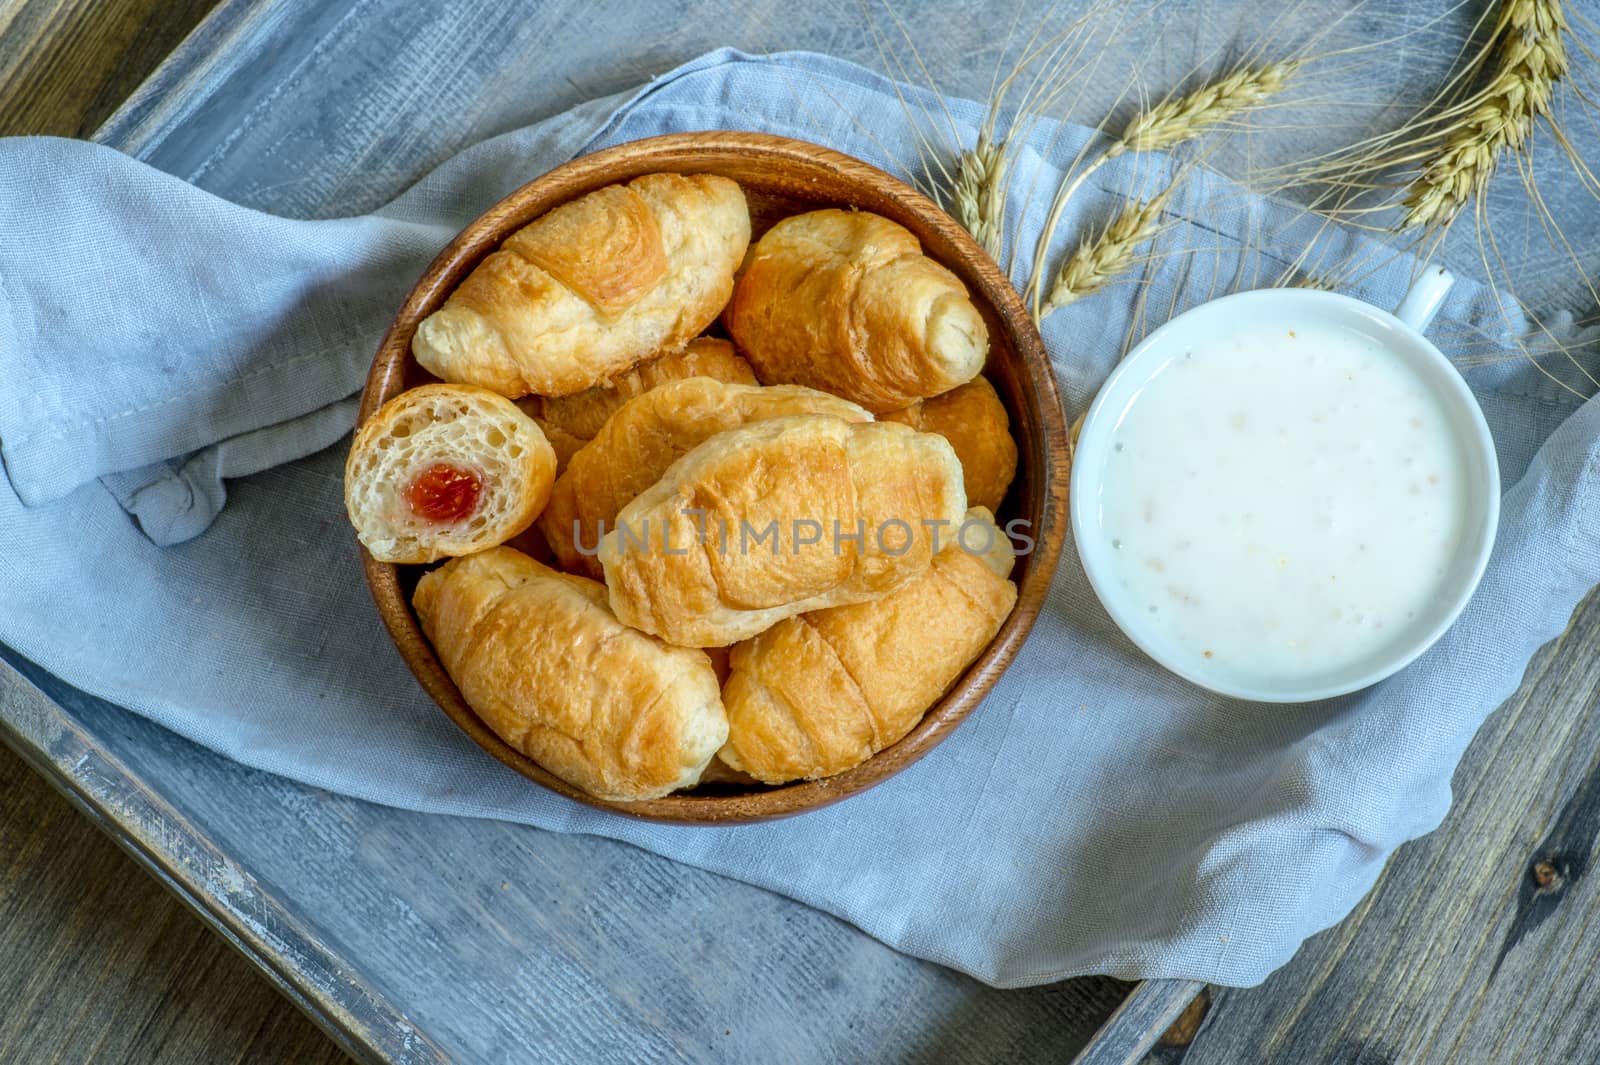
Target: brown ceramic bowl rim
705, 152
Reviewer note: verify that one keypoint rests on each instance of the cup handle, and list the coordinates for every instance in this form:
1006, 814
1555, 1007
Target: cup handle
1423, 299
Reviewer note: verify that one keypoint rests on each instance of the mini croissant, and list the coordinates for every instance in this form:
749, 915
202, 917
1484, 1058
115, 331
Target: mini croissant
540, 658
445, 470
845, 301
777, 518
646, 436
569, 422
592, 287
817, 694
974, 420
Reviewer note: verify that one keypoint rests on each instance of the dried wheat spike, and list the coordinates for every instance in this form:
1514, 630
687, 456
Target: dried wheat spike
1107, 255
1171, 122
1530, 57
979, 194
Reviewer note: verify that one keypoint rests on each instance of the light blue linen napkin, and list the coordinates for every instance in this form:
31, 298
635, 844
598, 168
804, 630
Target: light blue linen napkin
1096, 814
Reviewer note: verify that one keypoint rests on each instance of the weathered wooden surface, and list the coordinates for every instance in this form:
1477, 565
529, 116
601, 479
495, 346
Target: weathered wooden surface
67, 64
1480, 942
99, 963
1157, 1012
581, 954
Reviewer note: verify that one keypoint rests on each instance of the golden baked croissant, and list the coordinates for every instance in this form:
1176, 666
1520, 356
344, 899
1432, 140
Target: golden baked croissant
645, 436
445, 470
569, 422
817, 694
974, 420
797, 513
592, 287
846, 302
540, 658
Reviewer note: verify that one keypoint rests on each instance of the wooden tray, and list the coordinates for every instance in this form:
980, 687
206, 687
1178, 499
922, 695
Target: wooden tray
418, 938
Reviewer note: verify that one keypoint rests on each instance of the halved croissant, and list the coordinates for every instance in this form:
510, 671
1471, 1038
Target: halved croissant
846, 302
540, 658
647, 435
569, 422
592, 287
975, 422
797, 514
817, 694
445, 470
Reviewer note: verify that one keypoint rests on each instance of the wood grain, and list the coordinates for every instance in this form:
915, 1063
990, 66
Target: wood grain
67, 64
780, 177
1382, 968
1481, 942
99, 963
1155, 1012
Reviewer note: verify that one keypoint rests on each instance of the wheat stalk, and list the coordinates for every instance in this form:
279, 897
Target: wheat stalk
1167, 124
1173, 121
1107, 255
978, 192
978, 187
1530, 56
1072, 439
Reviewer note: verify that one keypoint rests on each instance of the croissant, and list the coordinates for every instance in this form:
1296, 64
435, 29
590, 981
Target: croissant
974, 420
540, 658
817, 694
645, 436
846, 302
569, 422
592, 287
797, 514
445, 470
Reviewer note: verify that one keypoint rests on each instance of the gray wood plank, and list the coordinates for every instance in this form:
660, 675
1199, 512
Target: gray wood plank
100, 965
188, 862
1152, 1014
331, 108
328, 108
67, 64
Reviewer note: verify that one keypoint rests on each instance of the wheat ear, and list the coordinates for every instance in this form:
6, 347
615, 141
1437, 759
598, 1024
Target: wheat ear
979, 193
1171, 122
1165, 125
1530, 56
1107, 255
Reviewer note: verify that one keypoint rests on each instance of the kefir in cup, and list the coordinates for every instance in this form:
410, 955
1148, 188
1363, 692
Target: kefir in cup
1285, 495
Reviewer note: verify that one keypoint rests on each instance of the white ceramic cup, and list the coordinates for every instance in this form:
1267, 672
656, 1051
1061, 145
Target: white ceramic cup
1400, 335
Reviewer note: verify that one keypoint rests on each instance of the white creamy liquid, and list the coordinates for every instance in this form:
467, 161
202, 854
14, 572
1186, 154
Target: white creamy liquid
1284, 503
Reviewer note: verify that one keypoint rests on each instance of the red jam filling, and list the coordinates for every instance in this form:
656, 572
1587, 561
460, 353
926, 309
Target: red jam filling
444, 494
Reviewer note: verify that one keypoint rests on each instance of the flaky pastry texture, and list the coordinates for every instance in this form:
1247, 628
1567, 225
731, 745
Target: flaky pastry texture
572, 421
646, 436
777, 518
975, 422
592, 287
542, 661
846, 302
822, 692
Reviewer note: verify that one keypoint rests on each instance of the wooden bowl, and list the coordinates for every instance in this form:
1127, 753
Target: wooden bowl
780, 177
